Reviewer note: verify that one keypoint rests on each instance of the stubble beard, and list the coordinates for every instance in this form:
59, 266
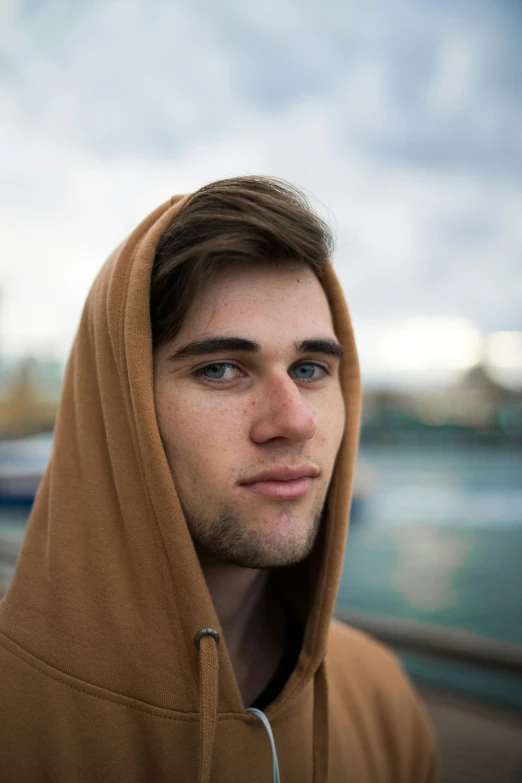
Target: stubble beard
226, 538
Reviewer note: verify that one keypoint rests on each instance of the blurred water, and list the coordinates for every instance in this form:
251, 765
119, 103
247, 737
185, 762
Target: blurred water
440, 541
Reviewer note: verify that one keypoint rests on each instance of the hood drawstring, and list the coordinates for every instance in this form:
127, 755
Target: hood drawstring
320, 726
206, 642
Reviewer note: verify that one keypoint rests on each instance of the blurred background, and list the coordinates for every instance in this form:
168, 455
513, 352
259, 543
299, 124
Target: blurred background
401, 121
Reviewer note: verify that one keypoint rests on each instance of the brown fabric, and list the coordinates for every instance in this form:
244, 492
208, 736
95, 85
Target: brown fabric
321, 722
100, 676
208, 689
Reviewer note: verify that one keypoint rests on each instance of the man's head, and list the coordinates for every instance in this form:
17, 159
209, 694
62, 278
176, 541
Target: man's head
246, 370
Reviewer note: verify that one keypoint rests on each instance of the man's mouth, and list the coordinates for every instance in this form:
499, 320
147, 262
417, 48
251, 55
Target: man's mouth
286, 482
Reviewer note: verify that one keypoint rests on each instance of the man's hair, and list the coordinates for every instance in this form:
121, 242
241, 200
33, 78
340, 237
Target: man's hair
240, 221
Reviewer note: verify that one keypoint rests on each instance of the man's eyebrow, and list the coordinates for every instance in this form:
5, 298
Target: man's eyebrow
221, 344
209, 345
320, 345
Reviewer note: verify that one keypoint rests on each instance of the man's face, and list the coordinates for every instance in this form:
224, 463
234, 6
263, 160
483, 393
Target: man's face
251, 414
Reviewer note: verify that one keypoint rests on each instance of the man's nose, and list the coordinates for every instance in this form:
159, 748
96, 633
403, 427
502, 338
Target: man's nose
282, 412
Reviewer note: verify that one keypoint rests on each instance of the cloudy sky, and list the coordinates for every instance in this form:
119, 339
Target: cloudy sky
401, 119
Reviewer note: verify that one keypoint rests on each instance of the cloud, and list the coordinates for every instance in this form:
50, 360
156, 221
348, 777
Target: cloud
402, 119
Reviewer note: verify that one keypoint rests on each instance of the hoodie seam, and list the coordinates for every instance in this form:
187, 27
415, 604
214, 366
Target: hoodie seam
56, 675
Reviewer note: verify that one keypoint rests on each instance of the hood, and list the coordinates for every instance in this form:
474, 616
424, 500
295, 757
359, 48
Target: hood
108, 587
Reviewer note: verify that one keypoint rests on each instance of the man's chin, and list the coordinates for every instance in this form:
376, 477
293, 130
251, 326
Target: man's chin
262, 558
260, 551
261, 544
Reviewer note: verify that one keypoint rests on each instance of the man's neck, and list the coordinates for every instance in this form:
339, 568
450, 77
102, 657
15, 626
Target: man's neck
251, 619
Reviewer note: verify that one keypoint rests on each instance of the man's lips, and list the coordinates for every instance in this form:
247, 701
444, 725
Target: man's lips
283, 483
283, 473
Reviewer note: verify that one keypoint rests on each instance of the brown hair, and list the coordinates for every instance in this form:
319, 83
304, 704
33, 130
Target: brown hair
242, 220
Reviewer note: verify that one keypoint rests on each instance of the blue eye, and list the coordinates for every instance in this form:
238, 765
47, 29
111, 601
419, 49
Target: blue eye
217, 371
309, 372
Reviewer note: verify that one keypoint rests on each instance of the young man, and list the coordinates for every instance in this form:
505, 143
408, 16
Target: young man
171, 612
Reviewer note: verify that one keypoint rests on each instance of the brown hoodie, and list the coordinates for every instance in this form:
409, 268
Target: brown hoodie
100, 677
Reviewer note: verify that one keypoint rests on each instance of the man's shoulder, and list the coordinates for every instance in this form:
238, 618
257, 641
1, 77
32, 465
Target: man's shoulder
358, 663
372, 697
348, 644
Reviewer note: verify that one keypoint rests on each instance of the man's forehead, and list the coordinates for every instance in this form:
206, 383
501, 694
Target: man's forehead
289, 298
259, 280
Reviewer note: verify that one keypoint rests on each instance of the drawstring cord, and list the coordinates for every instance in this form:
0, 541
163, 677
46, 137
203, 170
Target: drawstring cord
206, 642
266, 723
320, 726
